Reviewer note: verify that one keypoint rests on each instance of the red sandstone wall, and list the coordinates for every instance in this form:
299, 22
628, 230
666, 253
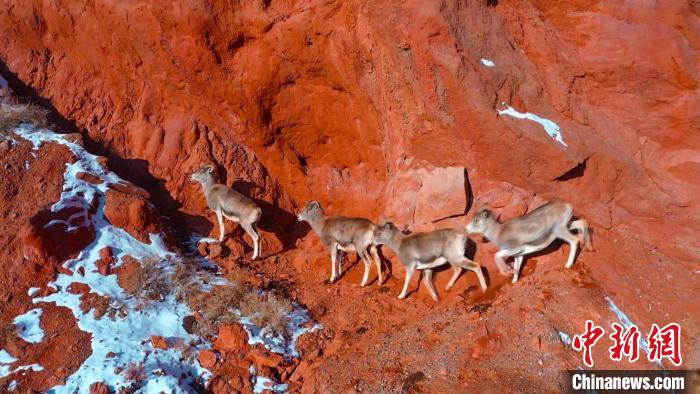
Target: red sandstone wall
376, 109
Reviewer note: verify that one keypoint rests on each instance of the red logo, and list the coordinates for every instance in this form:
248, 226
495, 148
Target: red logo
587, 340
626, 343
665, 343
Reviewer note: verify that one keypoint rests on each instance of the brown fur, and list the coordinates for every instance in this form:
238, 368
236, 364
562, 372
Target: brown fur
340, 233
228, 203
530, 233
427, 250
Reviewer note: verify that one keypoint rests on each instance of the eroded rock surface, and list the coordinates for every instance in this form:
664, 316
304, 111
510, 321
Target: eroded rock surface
386, 110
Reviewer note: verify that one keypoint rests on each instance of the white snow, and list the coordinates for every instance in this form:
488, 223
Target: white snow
627, 323
6, 371
6, 359
28, 327
32, 291
278, 343
12, 386
128, 335
550, 127
565, 338
488, 63
261, 383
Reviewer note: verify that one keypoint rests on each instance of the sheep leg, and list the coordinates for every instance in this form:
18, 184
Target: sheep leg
409, 273
566, 235
457, 270
250, 230
220, 218
378, 262
518, 264
476, 268
367, 263
334, 258
428, 281
501, 263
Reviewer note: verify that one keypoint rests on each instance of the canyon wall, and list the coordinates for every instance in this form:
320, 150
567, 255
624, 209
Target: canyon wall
395, 110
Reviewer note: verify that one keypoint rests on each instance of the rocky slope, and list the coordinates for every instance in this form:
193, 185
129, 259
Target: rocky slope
410, 111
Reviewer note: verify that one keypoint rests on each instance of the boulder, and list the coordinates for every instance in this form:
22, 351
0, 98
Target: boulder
159, 342
99, 388
231, 336
207, 358
78, 288
134, 214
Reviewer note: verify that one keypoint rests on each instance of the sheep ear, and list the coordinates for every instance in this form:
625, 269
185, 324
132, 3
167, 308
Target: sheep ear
314, 204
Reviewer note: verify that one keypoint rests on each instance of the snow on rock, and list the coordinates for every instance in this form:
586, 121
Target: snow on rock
6, 359
550, 127
6, 371
262, 384
627, 323
488, 63
127, 336
298, 318
279, 343
565, 338
28, 327
32, 291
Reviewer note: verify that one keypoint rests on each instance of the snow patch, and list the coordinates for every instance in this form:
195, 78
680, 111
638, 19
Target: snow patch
627, 323
550, 127
298, 318
12, 386
32, 291
278, 343
5, 370
262, 384
564, 337
28, 327
6, 359
488, 63
128, 335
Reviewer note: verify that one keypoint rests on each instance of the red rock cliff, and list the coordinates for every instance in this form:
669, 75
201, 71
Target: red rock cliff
385, 109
